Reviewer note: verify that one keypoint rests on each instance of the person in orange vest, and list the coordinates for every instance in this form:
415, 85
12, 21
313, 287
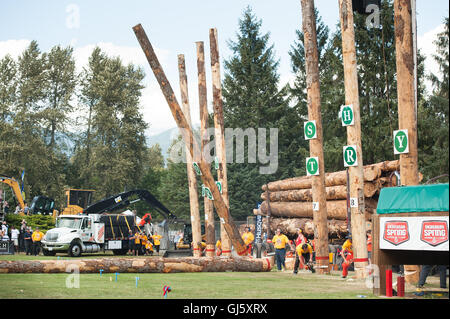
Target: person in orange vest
218, 248
248, 239
36, 237
156, 241
347, 254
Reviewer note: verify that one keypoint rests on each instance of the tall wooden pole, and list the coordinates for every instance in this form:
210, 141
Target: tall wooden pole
358, 224
409, 171
219, 131
192, 180
316, 144
207, 178
208, 205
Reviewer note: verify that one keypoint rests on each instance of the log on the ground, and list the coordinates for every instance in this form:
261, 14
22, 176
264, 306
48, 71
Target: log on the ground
332, 193
138, 265
336, 209
371, 173
289, 226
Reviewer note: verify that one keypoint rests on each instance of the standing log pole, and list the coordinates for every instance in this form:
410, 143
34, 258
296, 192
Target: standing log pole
207, 178
203, 103
315, 145
192, 179
409, 172
358, 225
219, 131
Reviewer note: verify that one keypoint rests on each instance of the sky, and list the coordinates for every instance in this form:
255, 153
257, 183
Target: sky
173, 27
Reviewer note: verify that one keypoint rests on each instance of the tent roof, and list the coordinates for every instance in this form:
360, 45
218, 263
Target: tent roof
419, 198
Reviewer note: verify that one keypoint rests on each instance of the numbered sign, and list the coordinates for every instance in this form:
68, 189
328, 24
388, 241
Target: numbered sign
315, 206
312, 166
350, 156
310, 130
197, 168
347, 115
353, 202
401, 145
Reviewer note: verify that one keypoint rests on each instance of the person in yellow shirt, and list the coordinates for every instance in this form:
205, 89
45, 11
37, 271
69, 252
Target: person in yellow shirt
279, 242
218, 248
149, 247
137, 243
347, 254
156, 241
36, 237
248, 239
304, 257
144, 241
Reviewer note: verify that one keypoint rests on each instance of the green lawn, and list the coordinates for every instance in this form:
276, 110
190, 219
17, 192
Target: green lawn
225, 285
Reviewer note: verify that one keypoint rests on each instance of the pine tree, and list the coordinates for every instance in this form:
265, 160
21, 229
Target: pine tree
433, 116
252, 100
111, 153
59, 92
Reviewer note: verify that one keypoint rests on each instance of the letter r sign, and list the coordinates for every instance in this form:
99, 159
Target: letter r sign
401, 145
350, 156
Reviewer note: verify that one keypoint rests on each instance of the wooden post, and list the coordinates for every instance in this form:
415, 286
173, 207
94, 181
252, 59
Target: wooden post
316, 144
358, 224
409, 172
192, 179
207, 178
219, 131
208, 205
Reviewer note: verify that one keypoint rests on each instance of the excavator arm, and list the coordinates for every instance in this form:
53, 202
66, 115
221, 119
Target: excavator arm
123, 200
15, 187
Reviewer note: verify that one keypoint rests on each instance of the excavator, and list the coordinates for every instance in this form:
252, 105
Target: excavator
123, 200
39, 205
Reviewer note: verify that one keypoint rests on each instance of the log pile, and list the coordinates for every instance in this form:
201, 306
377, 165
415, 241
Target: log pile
290, 200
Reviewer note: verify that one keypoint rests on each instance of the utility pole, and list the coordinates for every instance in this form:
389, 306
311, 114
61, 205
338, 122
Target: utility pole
219, 132
407, 120
315, 144
208, 205
358, 223
192, 179
206, 176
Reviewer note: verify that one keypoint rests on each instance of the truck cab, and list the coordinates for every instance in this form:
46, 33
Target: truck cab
74, 234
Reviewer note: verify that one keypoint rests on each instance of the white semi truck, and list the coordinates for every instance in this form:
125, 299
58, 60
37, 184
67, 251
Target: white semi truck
97, 230
77, 234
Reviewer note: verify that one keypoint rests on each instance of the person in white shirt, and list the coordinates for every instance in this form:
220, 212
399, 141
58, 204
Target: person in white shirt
15, 238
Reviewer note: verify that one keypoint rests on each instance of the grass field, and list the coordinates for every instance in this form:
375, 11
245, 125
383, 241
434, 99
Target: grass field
225, 285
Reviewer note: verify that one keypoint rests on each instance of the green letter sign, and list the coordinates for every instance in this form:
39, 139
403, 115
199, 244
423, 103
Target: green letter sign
312, 166
310, 130
350, 157
401, 142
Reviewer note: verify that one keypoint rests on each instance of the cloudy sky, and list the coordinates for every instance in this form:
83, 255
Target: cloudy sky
173, 27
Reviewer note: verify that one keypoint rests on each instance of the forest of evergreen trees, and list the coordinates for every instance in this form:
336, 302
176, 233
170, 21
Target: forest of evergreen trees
86, 130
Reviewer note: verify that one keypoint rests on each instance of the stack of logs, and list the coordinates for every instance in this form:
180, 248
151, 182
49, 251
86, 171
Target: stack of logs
290, 200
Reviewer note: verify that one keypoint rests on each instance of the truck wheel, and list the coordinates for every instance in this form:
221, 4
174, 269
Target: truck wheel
48, 252
75, 250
